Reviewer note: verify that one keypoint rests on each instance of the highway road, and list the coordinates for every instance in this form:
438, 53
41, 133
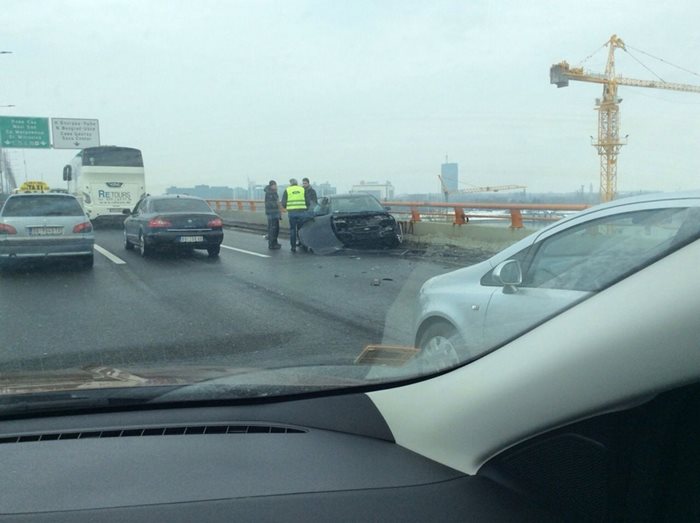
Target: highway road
249, 307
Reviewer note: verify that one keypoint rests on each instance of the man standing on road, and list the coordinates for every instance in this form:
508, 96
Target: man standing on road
274, 214
294, 200
310, 192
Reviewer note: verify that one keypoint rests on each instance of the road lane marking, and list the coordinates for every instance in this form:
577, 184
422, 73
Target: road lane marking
104, 252
246, 252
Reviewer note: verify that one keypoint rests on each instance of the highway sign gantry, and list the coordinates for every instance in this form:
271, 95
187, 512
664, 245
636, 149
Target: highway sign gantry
75, 133
24, 132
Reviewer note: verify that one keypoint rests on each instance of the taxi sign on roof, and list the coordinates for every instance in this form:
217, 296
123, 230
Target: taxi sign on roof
34, 186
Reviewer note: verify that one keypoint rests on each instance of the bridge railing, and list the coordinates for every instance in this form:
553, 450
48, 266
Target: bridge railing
459, 213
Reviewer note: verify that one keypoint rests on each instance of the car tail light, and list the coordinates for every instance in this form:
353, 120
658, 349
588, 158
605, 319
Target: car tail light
216, 223
7, 229
82, 227
159, 223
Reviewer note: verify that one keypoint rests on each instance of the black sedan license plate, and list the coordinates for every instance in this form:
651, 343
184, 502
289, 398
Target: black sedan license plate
191, 239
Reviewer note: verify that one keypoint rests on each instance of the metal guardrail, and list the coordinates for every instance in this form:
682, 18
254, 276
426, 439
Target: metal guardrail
456, 211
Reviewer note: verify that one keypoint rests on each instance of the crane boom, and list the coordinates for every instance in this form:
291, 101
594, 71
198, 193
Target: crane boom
487, 188
561, 73
608, 107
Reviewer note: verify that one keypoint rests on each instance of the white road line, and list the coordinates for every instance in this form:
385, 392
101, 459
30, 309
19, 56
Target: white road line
104, 252
245, 252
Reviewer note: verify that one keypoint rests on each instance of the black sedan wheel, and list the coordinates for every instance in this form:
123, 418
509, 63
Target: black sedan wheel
214, 251
144, 248
127, 244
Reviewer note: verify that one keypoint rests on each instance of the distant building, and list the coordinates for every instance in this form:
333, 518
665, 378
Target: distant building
203, 191
256, 191
325, 189
240, 193
450, 176
381, 191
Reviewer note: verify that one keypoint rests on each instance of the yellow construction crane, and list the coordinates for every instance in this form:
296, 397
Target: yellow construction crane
493, 188
608, 107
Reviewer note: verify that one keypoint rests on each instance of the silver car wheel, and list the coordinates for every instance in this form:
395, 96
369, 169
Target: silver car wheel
440, 352
441, 347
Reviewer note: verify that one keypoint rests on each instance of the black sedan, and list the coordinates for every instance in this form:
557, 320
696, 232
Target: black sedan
175, 221
349, 220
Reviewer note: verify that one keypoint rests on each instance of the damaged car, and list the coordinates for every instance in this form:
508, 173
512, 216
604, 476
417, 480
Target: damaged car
349, 221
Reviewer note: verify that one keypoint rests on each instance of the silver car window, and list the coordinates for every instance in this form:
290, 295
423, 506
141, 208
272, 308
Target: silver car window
590, 256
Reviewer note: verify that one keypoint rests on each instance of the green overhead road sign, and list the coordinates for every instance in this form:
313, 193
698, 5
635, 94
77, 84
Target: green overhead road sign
24, 132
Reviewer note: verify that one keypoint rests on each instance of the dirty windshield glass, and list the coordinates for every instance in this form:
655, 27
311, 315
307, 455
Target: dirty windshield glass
255, 199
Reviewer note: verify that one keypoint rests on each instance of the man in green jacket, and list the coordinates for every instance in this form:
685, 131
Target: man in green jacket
294, 200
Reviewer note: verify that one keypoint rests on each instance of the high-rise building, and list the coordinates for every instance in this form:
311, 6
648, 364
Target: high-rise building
381, 191
450, 175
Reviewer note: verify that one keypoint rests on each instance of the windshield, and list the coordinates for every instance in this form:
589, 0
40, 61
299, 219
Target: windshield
355, 204
41, 205
180, 205
298, 196
111, 156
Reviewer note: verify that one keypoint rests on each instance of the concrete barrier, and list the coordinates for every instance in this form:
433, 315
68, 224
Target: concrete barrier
469, 236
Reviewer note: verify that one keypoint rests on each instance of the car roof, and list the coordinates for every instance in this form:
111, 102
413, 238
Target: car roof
351, 195
174, 197
44, 194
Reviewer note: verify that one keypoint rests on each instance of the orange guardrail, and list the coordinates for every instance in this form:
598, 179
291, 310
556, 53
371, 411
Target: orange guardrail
459, 215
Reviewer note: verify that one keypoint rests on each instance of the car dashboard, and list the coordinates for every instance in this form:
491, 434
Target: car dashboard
317, 459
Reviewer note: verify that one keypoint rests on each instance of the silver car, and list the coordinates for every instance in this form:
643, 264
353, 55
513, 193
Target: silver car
472, 311
42, 225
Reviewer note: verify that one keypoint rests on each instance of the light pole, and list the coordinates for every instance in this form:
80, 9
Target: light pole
6, 52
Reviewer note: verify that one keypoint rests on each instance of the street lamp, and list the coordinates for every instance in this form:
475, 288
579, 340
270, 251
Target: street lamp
6, 52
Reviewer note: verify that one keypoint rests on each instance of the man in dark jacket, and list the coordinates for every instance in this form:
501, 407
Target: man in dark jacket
272, 210
310, 193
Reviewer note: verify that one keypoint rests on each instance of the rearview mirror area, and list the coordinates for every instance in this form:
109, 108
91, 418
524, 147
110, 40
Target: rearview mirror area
508, 273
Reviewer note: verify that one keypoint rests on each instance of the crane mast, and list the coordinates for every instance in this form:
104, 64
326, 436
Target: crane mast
608, 143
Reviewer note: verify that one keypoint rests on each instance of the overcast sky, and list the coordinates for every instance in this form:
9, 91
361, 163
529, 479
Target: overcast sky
342, 91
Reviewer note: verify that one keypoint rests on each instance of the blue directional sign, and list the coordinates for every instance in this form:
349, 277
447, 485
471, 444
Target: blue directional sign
24, 132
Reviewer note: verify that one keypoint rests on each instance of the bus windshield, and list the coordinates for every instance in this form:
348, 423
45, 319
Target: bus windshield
111, 156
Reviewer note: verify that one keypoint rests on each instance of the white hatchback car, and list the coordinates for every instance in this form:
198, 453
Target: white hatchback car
472, 311
45, 225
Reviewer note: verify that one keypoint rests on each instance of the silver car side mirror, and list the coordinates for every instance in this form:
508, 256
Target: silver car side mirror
509, 274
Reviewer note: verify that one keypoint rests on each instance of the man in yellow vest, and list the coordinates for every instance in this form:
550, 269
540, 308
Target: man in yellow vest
294, 200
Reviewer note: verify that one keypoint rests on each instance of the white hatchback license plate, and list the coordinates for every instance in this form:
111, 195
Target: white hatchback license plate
191, 239
45, 231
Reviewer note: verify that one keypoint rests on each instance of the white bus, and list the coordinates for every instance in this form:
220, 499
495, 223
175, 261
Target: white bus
108, 181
